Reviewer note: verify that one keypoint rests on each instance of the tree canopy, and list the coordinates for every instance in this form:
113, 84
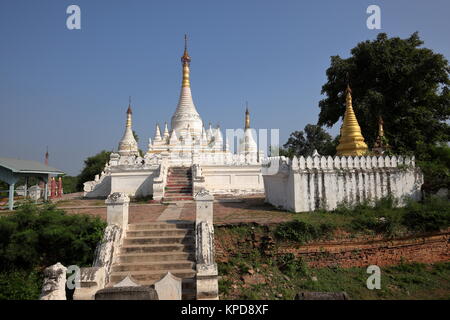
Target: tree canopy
406, 84
303, 143
92, 166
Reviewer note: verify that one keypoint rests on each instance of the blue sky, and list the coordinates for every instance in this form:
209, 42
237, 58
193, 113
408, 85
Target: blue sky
68, 89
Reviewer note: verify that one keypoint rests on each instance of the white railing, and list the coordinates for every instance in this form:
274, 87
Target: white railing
324, 163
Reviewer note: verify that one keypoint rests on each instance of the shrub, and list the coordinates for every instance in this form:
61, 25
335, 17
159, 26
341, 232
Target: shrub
432, 215
20, 285
41, 236
434, 160
290, 265
301, 231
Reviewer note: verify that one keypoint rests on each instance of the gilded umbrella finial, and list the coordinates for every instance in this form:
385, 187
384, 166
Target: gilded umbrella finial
185, 60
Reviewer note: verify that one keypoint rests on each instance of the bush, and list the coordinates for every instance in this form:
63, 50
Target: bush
434, 161
291, 266
20, 285
301, 231
432, 215
41, 236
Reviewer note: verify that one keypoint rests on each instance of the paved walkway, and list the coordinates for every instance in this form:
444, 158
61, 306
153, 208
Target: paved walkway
172, 213
230, 211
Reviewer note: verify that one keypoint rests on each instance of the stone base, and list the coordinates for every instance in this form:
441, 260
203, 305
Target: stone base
127, 293
207, 282
91, 280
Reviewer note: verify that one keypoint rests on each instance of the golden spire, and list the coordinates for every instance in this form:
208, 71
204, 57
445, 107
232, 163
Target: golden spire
129, 113
351, 142
185, 60
381, 144
380, 127
247, 117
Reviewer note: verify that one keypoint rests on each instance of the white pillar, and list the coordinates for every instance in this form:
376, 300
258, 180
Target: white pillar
11, 196
117, 209
207, 281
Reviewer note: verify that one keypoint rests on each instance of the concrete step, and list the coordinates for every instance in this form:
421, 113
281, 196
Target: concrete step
176, 198
153, 275
179, 181
186, 283
155, 257
160, 225
178, 194
150, 266
160, 233
182, 191
157, 248
154, 266
178, 188
158, 240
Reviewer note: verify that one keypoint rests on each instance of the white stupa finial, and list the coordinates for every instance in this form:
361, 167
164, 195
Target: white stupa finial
157, 133
166, 131
173, 137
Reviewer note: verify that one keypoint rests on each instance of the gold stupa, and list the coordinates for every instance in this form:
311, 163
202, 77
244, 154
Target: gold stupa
351, 142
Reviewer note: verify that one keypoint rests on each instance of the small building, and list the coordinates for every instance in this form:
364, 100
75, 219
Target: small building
11, 170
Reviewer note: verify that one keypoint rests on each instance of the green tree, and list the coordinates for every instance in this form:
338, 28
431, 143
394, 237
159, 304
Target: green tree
69, 184
92, 166
136, 137
406, 84
303, 143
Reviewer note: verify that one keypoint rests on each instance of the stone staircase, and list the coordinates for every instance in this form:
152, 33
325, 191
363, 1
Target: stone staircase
150, 250
179, 184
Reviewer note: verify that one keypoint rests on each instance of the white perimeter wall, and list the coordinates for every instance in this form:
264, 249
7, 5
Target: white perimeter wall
135, 184
302, 185
229, 179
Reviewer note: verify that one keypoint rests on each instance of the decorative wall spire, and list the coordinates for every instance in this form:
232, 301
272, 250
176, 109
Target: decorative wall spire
173, 137
128, 145
166, 131
351, 142
157, 134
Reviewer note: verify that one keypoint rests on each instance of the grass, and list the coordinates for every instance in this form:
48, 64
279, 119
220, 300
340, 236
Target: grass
283, 276
406, 281
382, 218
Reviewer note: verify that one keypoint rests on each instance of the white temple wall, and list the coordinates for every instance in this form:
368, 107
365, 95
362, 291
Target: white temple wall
133, 183
310, 184
100, 188
229, 179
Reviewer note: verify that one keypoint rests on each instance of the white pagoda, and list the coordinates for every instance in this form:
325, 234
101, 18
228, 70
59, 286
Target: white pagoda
203, 152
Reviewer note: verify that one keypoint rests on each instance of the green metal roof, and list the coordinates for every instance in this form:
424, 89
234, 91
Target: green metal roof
27, 166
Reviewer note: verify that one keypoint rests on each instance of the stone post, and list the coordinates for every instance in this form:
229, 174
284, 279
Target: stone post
117, 210
11, 197
207, 281
54, 287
